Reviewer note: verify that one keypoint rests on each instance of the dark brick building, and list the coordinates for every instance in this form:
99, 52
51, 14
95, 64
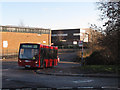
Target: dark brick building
65, 37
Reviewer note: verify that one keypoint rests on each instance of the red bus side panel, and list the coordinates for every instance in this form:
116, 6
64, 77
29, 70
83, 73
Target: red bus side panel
46, 63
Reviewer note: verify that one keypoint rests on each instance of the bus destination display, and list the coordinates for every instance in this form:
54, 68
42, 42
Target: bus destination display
29, 46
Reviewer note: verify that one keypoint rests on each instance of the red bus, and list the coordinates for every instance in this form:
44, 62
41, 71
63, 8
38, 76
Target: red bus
37, 55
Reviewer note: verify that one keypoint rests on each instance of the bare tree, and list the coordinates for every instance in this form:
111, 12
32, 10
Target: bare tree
21, 24
110, 13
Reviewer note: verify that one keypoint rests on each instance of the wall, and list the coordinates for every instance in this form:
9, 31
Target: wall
14, 39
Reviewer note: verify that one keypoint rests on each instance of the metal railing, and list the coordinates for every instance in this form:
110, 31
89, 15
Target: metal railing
6, 53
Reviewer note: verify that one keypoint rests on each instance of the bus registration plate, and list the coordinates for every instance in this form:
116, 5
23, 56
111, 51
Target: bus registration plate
27, 66
27, 61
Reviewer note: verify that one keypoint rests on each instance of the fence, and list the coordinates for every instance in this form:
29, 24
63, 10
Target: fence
69, 47
7, 53
85, 45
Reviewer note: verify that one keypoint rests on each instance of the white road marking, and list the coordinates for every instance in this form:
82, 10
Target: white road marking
105, 87
83, 81
85, 87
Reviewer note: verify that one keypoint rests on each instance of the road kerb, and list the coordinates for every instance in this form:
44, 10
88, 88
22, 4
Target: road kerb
80, 75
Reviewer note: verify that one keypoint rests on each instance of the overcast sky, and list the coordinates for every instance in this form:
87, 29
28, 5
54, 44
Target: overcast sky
53, 15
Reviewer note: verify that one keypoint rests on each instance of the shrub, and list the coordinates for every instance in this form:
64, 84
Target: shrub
100, 58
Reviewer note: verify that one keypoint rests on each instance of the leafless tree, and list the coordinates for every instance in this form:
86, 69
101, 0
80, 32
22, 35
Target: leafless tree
21, 24
111, 40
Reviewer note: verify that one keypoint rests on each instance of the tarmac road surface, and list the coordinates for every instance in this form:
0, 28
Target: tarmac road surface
14, 76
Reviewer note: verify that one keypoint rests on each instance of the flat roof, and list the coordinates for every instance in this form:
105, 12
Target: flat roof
23, 27
67, 29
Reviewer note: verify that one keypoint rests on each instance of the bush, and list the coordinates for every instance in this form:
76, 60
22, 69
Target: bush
100, 58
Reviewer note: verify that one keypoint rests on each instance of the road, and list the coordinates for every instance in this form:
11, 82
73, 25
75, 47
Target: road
14, 76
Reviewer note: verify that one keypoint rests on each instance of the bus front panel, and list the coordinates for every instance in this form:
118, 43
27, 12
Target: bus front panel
29, 55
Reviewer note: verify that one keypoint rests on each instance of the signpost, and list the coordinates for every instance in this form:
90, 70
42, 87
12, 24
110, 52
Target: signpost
81, 45
85, 39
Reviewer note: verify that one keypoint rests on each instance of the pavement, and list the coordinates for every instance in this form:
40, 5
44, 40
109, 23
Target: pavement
69, 69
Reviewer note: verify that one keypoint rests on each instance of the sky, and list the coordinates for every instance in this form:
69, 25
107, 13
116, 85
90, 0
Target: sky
52, 15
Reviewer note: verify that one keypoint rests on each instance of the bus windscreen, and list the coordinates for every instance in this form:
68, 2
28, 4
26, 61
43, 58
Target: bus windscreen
30, 52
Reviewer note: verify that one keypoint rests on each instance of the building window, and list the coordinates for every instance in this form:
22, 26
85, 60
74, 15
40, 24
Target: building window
63, 40
0, 28
59, 34
74, 42
76, 34
26, 30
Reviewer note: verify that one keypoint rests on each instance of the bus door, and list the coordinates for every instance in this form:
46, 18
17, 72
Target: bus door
46, 61
42, 53
54, 57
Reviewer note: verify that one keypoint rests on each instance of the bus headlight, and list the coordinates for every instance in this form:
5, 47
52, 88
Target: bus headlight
36, 61
20, 61
58, 59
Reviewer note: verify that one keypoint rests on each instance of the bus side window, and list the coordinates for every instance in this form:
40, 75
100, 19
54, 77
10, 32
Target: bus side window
54, 54
47, 53
50, 53
21, 52
44, 53
41, 53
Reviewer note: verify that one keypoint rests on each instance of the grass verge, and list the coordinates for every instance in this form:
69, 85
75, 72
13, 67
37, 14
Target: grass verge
103, 69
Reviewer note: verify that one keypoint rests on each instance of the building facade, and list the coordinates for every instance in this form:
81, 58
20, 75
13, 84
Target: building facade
69, 37
24, 29
13, 36
65, 37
